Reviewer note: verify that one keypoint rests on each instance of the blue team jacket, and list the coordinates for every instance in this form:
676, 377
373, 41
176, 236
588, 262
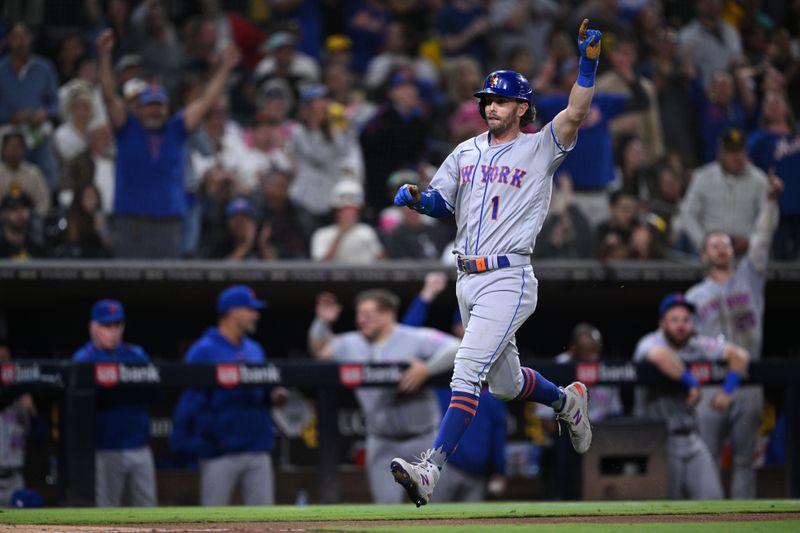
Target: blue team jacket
122, 415
209, 423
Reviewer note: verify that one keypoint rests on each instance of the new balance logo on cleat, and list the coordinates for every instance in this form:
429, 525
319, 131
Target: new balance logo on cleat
418, 479
576, 415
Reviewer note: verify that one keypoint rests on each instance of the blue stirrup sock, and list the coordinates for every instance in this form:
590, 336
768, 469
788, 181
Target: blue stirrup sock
457, 419
536, 388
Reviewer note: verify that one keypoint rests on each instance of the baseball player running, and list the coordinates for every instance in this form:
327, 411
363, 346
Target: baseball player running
670, 348
498, 184
730, 301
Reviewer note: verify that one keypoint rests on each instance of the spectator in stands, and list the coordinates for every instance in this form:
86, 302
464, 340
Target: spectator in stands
149, 198
615, 234
586, 346
287, 238
566, 233
85, 81
462, 75
673, 75
642, 119
322, 153
692, 472
16, 236
632, 169
156, 41
665, 194
230, 430
93, 166
219, 140
267, 152
305, 14
123, 458
87, 235
367, 25
231, 27
730, 303
70, 51
462, 26
396, 53
16, 418
395, 138
347, 240
725, 195
715, 45
522, 24
284, 62
243, 239
380, 339
719, 108
71, 137
776, 144
29, 100
356, 109
15, 171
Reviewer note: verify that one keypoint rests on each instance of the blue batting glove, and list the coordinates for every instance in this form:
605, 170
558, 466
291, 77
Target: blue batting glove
589, 41
407, 195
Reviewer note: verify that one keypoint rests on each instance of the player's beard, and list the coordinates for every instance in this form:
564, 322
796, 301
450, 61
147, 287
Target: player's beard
498, 130
674, 342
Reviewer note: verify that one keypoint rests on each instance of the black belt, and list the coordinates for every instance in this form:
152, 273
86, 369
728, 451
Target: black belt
480, 264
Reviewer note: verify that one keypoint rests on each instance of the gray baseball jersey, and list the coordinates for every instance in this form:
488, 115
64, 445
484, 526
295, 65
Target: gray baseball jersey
734, 309
387, 413
669, 403
500, 193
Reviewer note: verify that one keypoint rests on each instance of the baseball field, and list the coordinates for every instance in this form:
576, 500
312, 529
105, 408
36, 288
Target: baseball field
772, 516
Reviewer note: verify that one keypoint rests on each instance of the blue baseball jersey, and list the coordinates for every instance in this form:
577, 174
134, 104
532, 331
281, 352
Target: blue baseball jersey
591, 162
150, 169
215, 422
782, 152
122, 419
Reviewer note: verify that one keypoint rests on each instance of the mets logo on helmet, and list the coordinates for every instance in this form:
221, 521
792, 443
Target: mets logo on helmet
493, 80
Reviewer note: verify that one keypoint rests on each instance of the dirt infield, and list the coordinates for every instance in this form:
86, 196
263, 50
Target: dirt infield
248, 527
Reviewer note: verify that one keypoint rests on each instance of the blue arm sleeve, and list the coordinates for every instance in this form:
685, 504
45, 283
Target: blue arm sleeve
432, 204
417, 313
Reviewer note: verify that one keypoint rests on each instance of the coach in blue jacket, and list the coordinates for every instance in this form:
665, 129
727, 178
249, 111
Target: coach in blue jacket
229, 430
123, 459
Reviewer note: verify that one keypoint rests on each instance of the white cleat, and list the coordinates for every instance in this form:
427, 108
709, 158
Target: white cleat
576, 414
417, 478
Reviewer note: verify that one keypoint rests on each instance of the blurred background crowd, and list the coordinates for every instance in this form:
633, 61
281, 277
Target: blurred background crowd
327, 106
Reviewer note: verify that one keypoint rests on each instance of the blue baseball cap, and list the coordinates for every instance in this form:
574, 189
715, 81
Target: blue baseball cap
312, 92
153, 94
671, 300
240, 206
238, 296
108, 312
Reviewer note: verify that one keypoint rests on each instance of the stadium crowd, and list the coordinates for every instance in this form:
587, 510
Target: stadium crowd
249, 130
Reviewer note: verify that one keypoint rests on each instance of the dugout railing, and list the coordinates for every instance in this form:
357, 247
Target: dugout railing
79, 383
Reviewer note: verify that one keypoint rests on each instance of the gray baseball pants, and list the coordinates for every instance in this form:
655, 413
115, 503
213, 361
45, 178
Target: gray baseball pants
219, 476
120, 471
380, 452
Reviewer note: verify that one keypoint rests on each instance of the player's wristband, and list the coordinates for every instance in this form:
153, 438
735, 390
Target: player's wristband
432, 204
689, 380
732, 380
587, 69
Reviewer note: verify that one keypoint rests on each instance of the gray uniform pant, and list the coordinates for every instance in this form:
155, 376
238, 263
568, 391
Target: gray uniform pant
380, 452
120, 471
740, 424
8, 485
219, 476
456, 485
692, 473
493, 306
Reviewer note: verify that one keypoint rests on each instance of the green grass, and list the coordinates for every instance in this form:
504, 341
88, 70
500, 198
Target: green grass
127, 515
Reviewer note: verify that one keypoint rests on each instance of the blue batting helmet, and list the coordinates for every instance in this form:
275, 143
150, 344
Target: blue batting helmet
507, 83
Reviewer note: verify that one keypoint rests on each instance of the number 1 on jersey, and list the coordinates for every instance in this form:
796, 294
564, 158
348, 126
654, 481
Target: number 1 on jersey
495, 206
